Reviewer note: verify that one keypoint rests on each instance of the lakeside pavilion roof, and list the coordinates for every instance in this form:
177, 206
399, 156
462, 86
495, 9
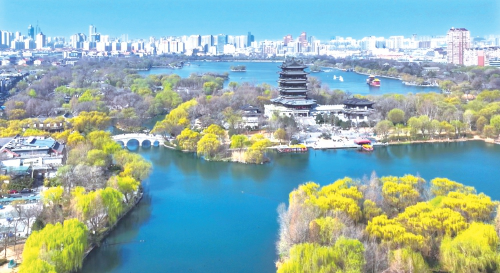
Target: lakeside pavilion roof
292, 63
294, 102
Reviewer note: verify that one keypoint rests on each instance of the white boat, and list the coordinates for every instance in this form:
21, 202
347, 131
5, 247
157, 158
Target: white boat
341, 79
334, 77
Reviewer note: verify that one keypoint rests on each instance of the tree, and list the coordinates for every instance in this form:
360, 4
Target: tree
56, 248
280, 134
176, 120
126, 185
495, 122
86, 122
489, 131
238, 141
407, 260
255, 154
383, 128
97, 208
396, 116
208, 145
32, 93
188, 139
209, 87
215, 130
443, 186
345, 256
474, 250
402, 192
415, 125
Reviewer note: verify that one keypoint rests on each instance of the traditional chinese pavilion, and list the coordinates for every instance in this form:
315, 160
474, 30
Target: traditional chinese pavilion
293, 90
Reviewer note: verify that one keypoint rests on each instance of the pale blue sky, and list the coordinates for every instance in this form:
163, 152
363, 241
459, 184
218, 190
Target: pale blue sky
266, 19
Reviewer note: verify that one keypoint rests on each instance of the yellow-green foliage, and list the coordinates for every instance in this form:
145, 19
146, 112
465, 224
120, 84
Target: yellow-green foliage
474, 250
452, 231
188, 139
443, 186
324, 230
238, 141
401, 192
95, 205
390, 231
255, 154
53, 195
216, 130
178, 117
345, 256
371, 210
474, 207
407, 260
125, 184
55, 248
425, 220
86, 122
208, 145
133, 165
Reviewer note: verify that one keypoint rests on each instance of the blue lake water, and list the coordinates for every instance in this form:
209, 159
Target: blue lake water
200, 216
258, 73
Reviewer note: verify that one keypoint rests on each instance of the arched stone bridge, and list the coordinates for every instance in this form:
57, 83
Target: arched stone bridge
143, 139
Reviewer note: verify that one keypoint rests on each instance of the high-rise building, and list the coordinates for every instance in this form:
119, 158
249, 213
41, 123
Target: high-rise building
457, 40
92, 33
250, 39
303, 39
5, 38
288, 38
31, 32
41, 41
221, 41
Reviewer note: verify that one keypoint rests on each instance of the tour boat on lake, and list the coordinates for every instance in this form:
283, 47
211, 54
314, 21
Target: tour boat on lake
365, 144
372, 81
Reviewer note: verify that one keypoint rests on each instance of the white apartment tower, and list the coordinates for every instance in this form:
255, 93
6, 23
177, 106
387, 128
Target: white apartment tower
458, 40
41, 41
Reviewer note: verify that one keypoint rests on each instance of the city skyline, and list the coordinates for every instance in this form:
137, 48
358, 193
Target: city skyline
269, 21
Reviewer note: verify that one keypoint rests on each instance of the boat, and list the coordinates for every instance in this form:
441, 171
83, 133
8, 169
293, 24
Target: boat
341, 79
367, 147
334, 77
372, 81
297, 148
365, 144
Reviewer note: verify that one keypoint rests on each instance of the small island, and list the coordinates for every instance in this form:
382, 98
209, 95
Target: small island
315, 68
239, 68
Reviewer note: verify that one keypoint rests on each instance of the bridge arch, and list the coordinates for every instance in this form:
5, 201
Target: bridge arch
146, 143
133, 142
121, 143
156, 143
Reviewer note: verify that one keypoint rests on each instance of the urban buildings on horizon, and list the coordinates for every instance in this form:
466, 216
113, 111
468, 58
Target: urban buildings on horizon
455, 47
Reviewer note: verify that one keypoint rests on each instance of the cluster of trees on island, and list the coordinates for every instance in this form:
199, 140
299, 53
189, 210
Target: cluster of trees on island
389, 224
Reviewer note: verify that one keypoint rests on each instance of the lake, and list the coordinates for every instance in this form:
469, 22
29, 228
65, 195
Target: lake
267, 72
200, 216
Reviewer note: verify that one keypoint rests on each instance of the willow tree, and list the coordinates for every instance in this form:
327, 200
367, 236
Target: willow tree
97, 208
345, 256
55, 248
208, 145
474, 250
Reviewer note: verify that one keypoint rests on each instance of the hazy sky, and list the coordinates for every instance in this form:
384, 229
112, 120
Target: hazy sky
266, 19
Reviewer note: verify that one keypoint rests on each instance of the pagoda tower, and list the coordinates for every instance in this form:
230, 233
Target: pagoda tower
293, 88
